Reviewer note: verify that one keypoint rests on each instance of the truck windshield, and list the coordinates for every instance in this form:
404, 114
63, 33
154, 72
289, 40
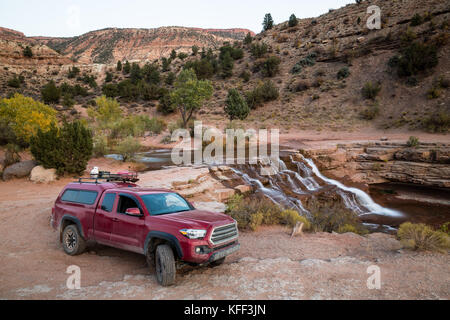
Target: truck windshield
165, 203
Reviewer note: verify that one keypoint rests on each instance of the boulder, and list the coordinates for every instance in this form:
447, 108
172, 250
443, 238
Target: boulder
243, 189
211, 206
224, 194
41, 175
19, 170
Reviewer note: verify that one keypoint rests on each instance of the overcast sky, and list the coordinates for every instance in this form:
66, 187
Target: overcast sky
64, 18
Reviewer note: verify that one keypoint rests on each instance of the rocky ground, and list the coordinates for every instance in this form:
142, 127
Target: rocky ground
270, 265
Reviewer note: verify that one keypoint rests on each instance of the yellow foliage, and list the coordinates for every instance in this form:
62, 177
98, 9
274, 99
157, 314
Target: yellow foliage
26, 116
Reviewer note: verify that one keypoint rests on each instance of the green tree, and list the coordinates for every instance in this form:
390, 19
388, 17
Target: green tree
227, 66
235, 106
135, 73
68, 149
126, 68
151, 73
271, 66
27, 52
190, 94
50, 93
119, 66
195, 50
166, 64
173, 55
293, 21
248, 39
268, 22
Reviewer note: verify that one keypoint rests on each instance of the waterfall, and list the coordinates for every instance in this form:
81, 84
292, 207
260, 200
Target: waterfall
361, 197
304, 182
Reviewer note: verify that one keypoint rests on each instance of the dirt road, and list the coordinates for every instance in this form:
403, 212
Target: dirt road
269, 266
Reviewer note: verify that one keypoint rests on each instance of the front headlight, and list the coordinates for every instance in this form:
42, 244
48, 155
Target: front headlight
193, 234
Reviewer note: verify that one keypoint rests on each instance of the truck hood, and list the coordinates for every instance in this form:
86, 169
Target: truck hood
199, 218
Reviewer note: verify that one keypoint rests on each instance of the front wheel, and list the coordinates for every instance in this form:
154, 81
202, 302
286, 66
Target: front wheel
165, 265
72, 241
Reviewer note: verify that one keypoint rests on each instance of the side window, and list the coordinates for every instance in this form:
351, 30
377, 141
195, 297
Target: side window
70, 196
108, 202
126, 203
79, 196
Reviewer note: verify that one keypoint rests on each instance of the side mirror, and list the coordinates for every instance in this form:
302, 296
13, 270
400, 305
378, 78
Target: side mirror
134, 212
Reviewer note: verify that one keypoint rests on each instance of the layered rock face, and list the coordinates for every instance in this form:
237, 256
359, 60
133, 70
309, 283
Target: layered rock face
428, 164
114, 44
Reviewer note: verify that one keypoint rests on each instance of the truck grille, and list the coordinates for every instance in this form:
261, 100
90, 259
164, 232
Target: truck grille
224, 234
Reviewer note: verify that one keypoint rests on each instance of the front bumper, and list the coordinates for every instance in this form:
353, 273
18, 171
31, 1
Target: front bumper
224, 252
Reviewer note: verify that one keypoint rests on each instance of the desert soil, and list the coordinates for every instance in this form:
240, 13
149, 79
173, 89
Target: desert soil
270, 264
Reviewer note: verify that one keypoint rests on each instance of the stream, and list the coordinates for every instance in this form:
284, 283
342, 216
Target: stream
295, 180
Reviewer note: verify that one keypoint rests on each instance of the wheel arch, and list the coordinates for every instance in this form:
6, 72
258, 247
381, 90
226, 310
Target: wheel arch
68, 220
156, 237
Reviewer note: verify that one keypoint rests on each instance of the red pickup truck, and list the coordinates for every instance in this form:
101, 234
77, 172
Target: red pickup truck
157, 223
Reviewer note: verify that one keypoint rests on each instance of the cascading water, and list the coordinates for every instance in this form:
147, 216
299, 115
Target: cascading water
303, 182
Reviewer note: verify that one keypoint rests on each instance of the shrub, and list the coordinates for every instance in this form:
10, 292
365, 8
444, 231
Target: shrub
100, 146
165, 105
26, 116
248, 39
16, 81
309, 61
107, 111
73, 72
413, 142
300, 86
170, 79
328, 215
347, 228
416, 58
371, 90
422, 237
271, 66
27, 52
264, 92
245, 75
343, 73
371, 112
127, 148
68, 102
416, 20
250, 213
50, 93
259, 49
182, 55
439, 121
68, 149
292, 217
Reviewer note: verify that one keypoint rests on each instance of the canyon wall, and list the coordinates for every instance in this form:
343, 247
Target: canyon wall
427, 164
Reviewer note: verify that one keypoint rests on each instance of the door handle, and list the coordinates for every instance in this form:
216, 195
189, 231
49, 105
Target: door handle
115, 220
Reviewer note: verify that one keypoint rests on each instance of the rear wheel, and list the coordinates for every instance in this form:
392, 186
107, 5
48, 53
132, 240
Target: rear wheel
72, 241
165, 265
217, 263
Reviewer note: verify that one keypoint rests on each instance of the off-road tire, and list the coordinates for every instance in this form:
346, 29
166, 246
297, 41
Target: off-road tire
72, 241
165, 265
217, 263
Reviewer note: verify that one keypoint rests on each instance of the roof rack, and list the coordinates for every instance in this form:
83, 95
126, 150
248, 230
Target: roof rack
104, 176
